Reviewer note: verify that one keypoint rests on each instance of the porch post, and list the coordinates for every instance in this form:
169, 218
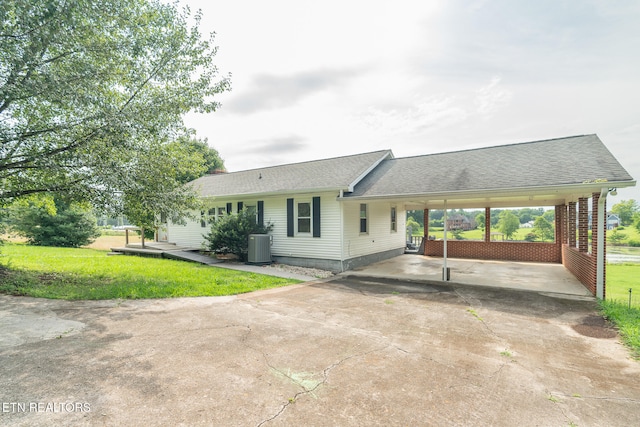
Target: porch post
583, 225
599, 237
572, 225
560, 223
445, 276
487, 224
425, 219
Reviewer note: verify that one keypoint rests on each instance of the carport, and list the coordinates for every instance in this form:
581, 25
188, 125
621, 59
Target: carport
548, 278
574, 175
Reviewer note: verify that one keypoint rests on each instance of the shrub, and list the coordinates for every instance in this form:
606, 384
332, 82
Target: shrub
230, 234
530, 237
66, 225
615, 238
634, 243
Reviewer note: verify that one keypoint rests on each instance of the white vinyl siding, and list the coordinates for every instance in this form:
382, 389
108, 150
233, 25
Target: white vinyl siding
187, 236
304, 245
379, 237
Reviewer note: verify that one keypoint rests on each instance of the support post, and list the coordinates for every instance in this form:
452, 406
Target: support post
445, 270
601, 237
487, 225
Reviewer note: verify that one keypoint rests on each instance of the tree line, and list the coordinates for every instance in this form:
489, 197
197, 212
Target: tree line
508, 221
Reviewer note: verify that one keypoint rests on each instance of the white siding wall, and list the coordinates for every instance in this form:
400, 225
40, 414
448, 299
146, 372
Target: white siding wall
189, 235
327, 246
379, 238
303, 245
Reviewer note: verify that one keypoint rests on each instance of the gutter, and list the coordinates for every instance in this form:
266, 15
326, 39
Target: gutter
502, 192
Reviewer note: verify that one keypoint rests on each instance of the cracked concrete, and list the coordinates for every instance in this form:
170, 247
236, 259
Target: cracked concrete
350, 351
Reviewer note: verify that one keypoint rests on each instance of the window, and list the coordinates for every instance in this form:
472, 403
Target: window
304, 217
203, 220
216, 213
394, 222
253, 211
363, 218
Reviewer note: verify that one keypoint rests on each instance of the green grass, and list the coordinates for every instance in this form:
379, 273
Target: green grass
478, 234
87, 274
621, 277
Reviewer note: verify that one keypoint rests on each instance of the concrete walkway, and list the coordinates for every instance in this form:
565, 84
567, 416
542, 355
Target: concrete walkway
542, 277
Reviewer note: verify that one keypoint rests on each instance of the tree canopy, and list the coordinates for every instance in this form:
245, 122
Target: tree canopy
92, 96
626, 210
508, 223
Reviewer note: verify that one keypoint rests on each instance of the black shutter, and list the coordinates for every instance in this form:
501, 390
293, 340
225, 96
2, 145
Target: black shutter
240, 206
260, 213
229, 208
289, 217
316, 217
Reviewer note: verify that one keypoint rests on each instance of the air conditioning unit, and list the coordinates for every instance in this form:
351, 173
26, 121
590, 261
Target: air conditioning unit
259, 249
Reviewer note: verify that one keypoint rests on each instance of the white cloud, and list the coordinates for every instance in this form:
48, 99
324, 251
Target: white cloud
430, 114
491, 98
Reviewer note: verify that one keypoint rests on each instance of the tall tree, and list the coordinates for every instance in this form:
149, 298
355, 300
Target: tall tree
625, 210
92, 95
543, 229
199, 149
508, 223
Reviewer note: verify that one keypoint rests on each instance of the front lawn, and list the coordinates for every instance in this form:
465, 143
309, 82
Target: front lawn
621, 278
87, 274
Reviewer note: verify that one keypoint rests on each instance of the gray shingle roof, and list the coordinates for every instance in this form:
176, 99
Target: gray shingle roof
339, 173
554, 162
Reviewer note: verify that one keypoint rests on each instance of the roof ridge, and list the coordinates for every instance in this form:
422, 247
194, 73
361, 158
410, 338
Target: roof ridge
309, 161
494, 146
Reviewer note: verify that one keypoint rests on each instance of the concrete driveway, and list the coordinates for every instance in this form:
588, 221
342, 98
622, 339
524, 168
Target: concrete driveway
351, 351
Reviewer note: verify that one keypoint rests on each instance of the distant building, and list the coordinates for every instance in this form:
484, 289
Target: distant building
459, 222
613, 221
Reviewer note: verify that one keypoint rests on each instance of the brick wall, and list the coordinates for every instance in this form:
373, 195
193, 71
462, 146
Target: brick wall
505, 251
582, 265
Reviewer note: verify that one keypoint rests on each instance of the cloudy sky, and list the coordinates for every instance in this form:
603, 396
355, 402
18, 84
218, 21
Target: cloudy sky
317, 79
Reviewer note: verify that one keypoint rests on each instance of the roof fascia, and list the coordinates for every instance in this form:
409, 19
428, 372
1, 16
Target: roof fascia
273, 193
516, 191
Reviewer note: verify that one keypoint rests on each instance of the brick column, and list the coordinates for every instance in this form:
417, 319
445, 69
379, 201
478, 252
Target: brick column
425, 219
565, 224
572, 225
583, 225
487, 224
560, 223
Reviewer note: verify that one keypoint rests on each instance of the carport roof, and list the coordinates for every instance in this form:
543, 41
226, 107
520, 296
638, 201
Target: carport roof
538, 173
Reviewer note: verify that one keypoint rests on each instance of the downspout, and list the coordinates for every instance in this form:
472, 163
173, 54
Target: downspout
445, 276
601, 241
341, 231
